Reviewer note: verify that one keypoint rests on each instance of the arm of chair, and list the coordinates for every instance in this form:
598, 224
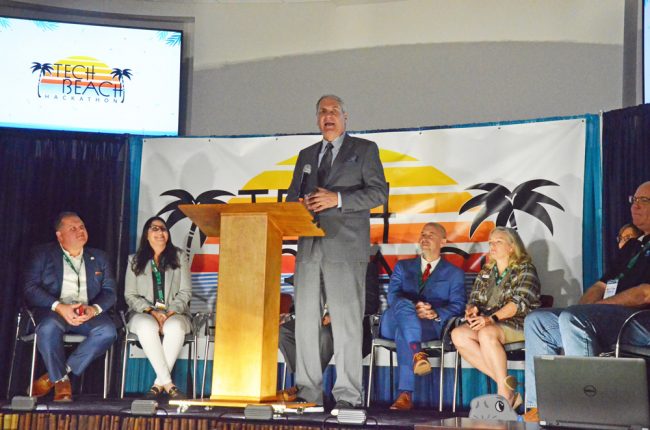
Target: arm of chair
452, 323
625, 325
124, 324
374, 325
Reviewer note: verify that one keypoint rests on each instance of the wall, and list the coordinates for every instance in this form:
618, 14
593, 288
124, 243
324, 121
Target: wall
257, 68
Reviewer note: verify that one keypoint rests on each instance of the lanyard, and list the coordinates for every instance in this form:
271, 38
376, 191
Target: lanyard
160, 292
77, 272
499, 278
633, 261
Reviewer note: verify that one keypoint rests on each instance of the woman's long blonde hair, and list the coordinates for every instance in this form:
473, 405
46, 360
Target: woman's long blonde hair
519, 254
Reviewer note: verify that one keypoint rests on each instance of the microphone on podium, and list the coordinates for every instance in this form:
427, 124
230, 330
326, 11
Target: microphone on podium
306, 171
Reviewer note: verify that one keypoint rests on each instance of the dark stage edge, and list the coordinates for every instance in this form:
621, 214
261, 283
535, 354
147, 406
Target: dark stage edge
378, 416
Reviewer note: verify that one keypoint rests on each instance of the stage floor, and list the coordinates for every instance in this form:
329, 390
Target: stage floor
377, 416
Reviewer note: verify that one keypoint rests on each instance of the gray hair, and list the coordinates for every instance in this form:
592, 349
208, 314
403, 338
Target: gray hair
338, 99
59, 218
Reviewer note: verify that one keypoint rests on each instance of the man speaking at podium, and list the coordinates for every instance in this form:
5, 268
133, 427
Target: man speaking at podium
339, 179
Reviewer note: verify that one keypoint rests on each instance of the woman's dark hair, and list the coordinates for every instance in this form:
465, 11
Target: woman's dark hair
144, 254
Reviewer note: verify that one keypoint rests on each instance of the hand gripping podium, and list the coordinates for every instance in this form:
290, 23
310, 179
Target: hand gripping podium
244, 369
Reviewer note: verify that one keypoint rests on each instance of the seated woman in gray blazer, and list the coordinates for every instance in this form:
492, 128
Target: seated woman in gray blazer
158, 292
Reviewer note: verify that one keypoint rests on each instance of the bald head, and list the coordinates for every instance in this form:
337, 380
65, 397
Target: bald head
640, 208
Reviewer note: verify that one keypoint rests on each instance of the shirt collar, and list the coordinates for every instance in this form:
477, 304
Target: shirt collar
336, 143
423, 263
78, 257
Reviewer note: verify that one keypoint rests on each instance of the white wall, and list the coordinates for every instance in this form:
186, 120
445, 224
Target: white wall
258, 68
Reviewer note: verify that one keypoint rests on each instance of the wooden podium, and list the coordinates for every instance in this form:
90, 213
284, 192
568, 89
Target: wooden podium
244, 369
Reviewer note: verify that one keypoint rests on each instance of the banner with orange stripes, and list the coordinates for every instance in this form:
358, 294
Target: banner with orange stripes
523, 175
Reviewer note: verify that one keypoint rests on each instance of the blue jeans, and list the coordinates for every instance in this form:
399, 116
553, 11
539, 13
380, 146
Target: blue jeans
401, 323
579, 330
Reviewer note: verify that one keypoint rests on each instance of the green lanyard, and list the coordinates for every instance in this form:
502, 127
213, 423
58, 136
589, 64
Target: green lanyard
499, 278
633, 261
160, 292
76, 272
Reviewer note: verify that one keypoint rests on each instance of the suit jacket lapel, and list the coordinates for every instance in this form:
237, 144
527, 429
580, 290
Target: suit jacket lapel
89, 264
57, 259
169, 275
347, 148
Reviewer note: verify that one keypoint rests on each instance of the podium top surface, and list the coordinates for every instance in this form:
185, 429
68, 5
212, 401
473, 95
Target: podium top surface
291, 218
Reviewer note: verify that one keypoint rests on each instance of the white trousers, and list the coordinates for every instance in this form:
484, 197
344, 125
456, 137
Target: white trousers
162, 354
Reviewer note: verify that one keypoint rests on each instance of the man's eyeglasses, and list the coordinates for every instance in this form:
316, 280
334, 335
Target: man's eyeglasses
154, 227
639, 200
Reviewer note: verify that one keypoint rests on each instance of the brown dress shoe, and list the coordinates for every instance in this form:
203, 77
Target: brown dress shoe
403, 402
288, 395
421, 365
63, 391
42, 386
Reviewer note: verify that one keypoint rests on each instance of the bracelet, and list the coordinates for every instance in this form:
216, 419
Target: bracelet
495, 318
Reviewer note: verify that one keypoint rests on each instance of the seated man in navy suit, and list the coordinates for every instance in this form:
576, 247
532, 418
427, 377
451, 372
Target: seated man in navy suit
424, 293
69, 288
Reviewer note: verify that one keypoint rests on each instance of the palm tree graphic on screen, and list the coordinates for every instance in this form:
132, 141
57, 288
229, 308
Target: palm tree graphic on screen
185, 198
498, 199
121, 74
45, 68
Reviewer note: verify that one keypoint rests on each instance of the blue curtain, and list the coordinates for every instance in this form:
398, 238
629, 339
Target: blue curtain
626, 165
592, 237
41, 174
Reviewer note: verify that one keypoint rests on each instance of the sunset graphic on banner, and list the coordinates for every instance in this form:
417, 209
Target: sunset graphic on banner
81, 77
419, 193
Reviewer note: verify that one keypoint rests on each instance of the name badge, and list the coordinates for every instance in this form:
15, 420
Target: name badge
610, 288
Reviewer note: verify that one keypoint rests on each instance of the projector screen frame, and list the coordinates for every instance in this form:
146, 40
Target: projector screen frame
183, 25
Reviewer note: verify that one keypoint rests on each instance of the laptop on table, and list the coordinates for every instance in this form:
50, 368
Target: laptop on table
592, 392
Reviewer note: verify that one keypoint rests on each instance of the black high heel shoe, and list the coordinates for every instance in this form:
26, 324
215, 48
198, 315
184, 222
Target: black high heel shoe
175, 394
153, 393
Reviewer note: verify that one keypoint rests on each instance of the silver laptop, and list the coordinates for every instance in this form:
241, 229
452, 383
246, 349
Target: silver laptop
592, 392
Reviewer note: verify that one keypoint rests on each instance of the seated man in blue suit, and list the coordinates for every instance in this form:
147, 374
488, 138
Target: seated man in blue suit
424, 293
70, 288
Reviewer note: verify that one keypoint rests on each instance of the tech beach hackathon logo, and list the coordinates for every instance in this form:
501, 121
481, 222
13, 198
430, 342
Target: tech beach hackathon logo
81, 79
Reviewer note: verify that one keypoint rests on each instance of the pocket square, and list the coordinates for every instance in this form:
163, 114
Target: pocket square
352, 160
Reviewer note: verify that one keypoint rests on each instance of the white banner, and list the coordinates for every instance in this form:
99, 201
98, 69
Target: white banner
526, 175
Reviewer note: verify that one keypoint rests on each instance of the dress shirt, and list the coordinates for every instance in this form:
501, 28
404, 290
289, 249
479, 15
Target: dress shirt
424, 262
336, 147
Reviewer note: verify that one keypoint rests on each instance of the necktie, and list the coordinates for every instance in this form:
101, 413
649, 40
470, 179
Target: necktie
325, 165
427, 273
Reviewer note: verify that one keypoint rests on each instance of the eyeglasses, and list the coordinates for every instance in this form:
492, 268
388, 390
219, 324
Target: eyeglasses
639, 200
154, 227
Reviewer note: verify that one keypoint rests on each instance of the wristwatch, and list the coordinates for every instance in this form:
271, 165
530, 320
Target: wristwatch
495, 318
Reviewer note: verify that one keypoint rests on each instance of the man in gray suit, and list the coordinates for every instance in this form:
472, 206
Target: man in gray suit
341, 179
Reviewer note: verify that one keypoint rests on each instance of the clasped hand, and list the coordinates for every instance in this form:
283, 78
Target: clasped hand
474, 320
76, 314
320, 200
425, 311
161, 317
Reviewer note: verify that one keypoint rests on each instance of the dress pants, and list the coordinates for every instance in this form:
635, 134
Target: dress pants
287, 344
162, 354
100, 334
401, 324
344, 285
579, 330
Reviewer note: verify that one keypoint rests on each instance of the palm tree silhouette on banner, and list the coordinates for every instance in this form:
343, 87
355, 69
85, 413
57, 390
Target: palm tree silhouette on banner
498, 199
185, 198
42, 69
121, 74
